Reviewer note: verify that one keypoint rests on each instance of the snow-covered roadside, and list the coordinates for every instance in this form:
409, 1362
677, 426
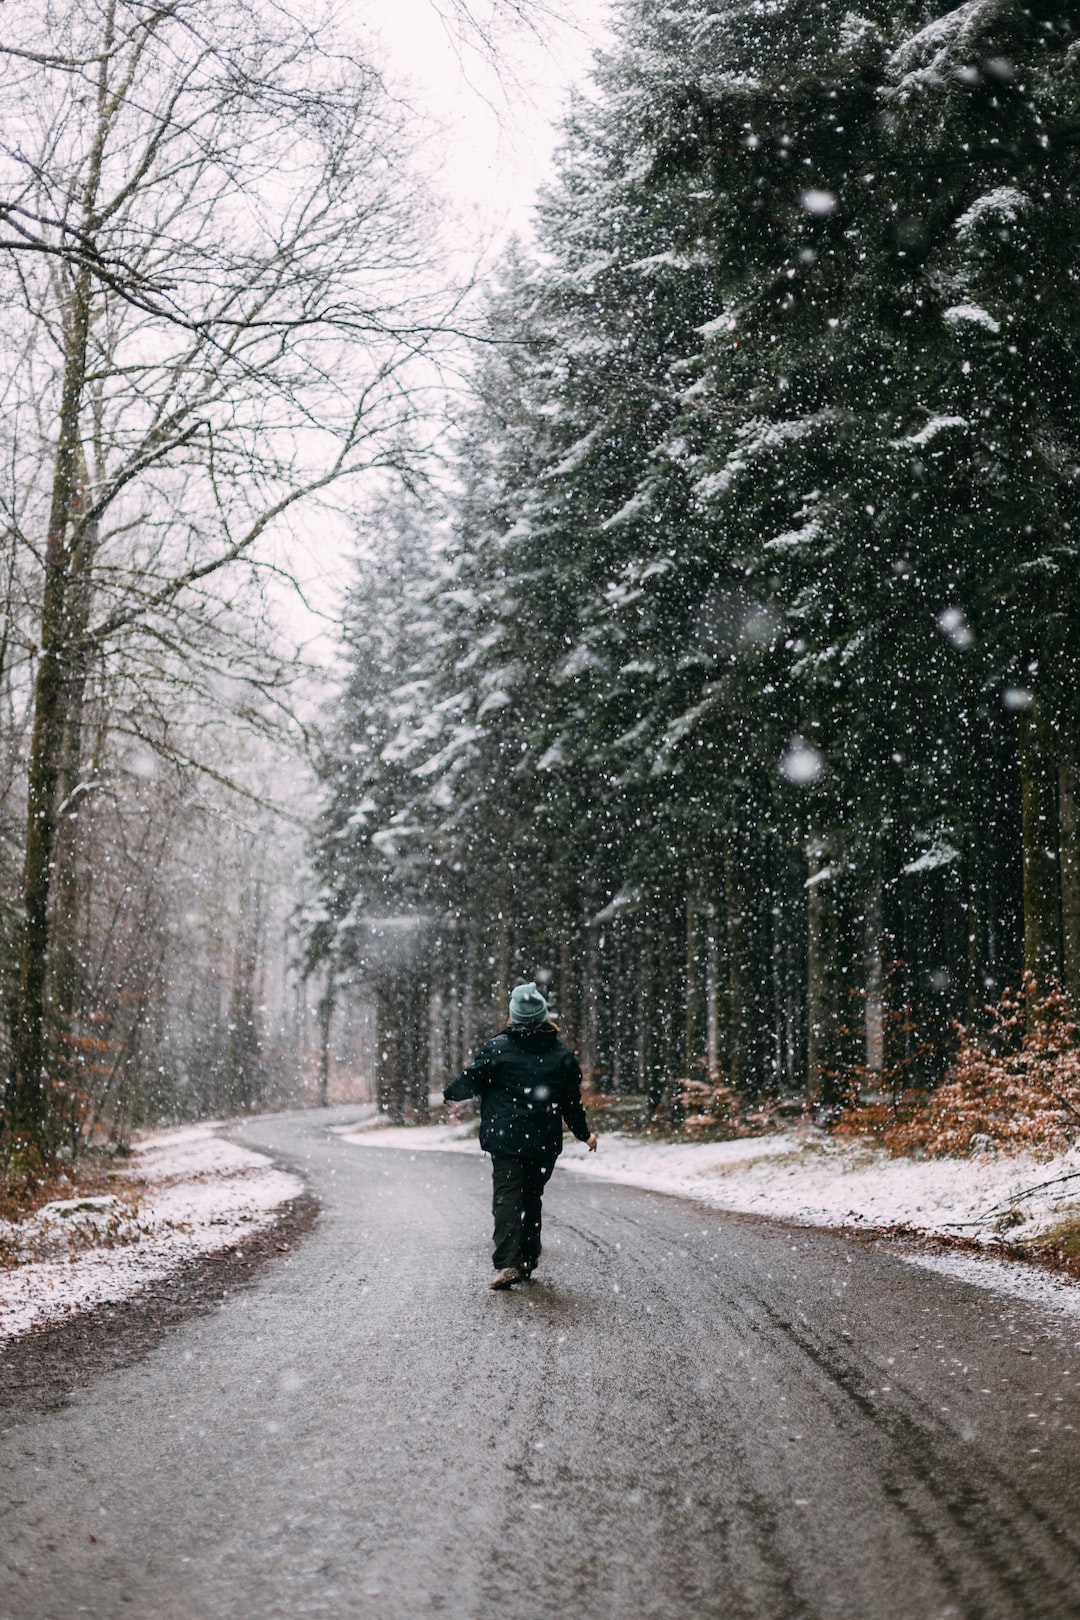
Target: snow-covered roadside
806, 1177
195, 1194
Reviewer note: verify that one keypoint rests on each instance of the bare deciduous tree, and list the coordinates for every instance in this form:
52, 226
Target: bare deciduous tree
210, 301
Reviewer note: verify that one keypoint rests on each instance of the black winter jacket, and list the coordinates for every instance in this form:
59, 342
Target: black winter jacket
528, 1082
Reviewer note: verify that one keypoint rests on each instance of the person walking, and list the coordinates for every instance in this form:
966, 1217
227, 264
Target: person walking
528, 1082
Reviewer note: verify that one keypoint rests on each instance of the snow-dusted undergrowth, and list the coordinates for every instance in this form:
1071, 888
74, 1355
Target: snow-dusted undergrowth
195, 1193
809, 1178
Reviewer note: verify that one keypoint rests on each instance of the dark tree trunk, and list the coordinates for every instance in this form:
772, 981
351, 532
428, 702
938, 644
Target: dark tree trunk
650, 1075
243, 1079
589, 1055
735, 935
326, 1014
666, 1022
823, 1013
712, 1009
28, 1103
389, 1055
973, 900
415, 1003
1042, 845
501, 987
694, 1037
1068, 827
567, 1000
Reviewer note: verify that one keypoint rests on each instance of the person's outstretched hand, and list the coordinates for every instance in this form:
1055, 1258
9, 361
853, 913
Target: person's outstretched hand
591, 1143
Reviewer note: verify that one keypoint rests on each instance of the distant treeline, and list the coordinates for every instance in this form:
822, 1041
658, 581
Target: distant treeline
737, 694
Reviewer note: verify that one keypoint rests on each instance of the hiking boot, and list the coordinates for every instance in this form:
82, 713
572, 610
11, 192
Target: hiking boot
506, 1277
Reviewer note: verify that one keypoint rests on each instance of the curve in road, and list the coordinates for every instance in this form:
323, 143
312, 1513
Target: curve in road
687, 1414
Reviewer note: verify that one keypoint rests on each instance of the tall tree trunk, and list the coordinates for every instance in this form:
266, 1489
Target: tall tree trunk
502, 986
452, 990
649, 1077
27, 1104
693, 1045
416, 1013
28, 1094
665, 1021
586, 1001
712, 1010
391, 1092
1042, 844
873, 1019
66, 971
1068, 827
65, 978
326, 1015
721, 992
568, 1013
822, 980
736, 1021
243, 1055
974, 903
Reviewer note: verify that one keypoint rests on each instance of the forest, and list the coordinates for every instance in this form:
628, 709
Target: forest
710, 653
731, 691
217, 289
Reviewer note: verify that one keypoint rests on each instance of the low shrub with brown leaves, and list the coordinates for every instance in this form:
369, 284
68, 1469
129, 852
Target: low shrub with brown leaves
1014, 1088
686, 1109
86, 1205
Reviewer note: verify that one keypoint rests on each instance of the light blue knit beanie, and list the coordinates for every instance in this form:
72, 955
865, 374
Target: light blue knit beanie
527, 1006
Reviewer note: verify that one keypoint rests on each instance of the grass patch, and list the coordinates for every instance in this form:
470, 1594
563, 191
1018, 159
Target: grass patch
1059, 1245
689, 1111
21, 1196
24, 1238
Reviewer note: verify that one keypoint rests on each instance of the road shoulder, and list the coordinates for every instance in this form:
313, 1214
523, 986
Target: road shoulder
989, 1219
92, 1281
41, 1370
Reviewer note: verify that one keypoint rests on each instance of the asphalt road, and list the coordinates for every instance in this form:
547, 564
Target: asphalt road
688, 1414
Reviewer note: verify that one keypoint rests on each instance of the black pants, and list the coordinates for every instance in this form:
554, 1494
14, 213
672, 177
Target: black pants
517, 1191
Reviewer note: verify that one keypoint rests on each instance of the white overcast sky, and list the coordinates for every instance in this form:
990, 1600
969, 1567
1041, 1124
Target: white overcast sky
491, 143
497, 128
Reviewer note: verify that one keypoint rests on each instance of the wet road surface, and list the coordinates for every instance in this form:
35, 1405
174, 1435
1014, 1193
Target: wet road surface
688, 1414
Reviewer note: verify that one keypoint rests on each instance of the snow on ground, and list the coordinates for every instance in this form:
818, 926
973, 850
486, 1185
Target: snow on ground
187, 1193
804, 1176
417, 1138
